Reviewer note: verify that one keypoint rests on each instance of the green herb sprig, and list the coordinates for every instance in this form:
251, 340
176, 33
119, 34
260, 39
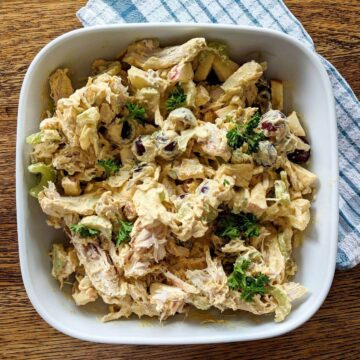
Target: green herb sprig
124, 232
177, 98
136, 112
232, 226
83, 230
226, 182
248, 285
110, 166
245, 133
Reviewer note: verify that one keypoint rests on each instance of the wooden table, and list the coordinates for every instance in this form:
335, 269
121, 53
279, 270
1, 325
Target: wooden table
333, 333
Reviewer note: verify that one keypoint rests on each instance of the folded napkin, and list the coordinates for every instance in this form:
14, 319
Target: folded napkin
275, 15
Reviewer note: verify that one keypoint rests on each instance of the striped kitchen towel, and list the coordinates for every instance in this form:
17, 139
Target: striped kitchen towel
271, 14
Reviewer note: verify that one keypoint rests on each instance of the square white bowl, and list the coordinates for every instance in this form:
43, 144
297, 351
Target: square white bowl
308, 91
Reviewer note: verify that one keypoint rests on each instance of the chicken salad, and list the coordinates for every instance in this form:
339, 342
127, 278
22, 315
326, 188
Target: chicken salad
178, 181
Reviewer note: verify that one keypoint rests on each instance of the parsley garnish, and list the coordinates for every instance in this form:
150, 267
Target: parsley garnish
124, 232
83, 230
110, 166
177, 98
232, 226
245, 133
136, 112
248, 285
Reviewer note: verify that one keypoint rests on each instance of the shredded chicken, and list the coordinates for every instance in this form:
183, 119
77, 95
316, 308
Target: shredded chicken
60, 85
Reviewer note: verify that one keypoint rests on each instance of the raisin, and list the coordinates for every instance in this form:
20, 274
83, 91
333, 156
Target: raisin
171, 146
102, 130
126, 130
299, 156
204, 189
140, 148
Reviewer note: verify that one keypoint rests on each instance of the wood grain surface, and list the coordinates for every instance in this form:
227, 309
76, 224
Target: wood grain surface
333, 333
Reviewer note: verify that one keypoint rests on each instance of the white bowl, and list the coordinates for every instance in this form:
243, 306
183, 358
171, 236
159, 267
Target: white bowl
308, 91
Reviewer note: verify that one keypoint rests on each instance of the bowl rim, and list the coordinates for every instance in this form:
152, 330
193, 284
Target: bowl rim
156, 340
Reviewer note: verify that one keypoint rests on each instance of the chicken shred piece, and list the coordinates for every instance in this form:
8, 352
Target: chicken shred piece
60, 85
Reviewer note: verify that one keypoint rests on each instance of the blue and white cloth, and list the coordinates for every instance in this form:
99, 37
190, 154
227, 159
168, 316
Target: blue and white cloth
275, 15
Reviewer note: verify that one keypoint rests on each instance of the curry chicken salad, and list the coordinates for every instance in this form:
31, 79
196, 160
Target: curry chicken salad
178, 182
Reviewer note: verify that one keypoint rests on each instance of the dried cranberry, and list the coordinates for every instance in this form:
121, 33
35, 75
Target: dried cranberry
268, 126
171, 146
140, 149
182, 196
204, 189
299, 156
